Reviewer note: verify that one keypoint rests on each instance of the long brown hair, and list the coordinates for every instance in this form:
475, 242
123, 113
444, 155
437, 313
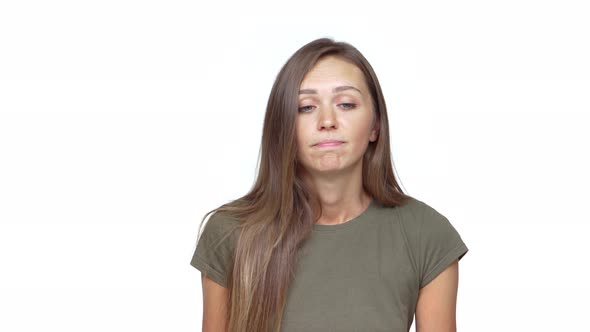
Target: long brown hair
277, 216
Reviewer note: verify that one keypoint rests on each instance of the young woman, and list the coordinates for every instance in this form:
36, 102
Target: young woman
326, 240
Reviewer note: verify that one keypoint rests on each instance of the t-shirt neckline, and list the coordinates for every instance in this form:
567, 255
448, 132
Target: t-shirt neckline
350, 223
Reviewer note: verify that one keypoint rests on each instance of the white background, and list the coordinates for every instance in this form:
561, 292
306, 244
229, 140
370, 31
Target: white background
123, 122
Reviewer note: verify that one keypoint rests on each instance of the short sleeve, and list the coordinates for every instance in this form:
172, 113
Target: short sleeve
215, 248
433, 241
439, 244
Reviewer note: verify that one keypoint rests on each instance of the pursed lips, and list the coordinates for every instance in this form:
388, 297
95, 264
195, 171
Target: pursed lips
328, 143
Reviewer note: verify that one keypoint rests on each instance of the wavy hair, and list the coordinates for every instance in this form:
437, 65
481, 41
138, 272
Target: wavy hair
276, 216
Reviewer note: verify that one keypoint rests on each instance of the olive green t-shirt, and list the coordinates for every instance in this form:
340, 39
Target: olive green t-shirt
362, 275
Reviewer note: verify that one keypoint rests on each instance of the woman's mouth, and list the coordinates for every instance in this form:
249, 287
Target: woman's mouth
327, 144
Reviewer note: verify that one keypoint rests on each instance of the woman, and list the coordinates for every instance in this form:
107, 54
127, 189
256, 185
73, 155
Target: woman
326, 240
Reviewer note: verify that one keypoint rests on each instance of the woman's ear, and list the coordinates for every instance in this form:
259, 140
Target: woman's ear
374, 131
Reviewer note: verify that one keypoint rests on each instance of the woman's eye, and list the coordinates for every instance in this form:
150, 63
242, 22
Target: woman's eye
304, 108
348, 106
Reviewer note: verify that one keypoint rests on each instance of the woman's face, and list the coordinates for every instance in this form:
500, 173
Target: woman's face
334, 104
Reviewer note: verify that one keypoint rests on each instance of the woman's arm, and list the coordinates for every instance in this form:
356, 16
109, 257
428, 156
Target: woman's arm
437, 302
214, 306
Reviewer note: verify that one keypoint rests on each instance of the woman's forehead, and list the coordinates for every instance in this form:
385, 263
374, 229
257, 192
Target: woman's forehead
332, 68
339, 88
332, 75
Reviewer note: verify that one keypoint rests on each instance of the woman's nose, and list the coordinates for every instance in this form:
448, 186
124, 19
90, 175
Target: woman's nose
327, 118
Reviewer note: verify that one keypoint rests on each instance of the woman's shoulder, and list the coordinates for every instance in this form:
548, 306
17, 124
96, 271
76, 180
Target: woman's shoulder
409, 205
222, 219
219, 225
413, 212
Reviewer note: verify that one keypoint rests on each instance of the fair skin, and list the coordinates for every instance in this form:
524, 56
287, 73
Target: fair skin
214, 306
437, 302
335, 173
334, 103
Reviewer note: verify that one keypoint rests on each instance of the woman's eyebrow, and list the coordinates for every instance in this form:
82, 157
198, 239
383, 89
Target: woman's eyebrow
336, 89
